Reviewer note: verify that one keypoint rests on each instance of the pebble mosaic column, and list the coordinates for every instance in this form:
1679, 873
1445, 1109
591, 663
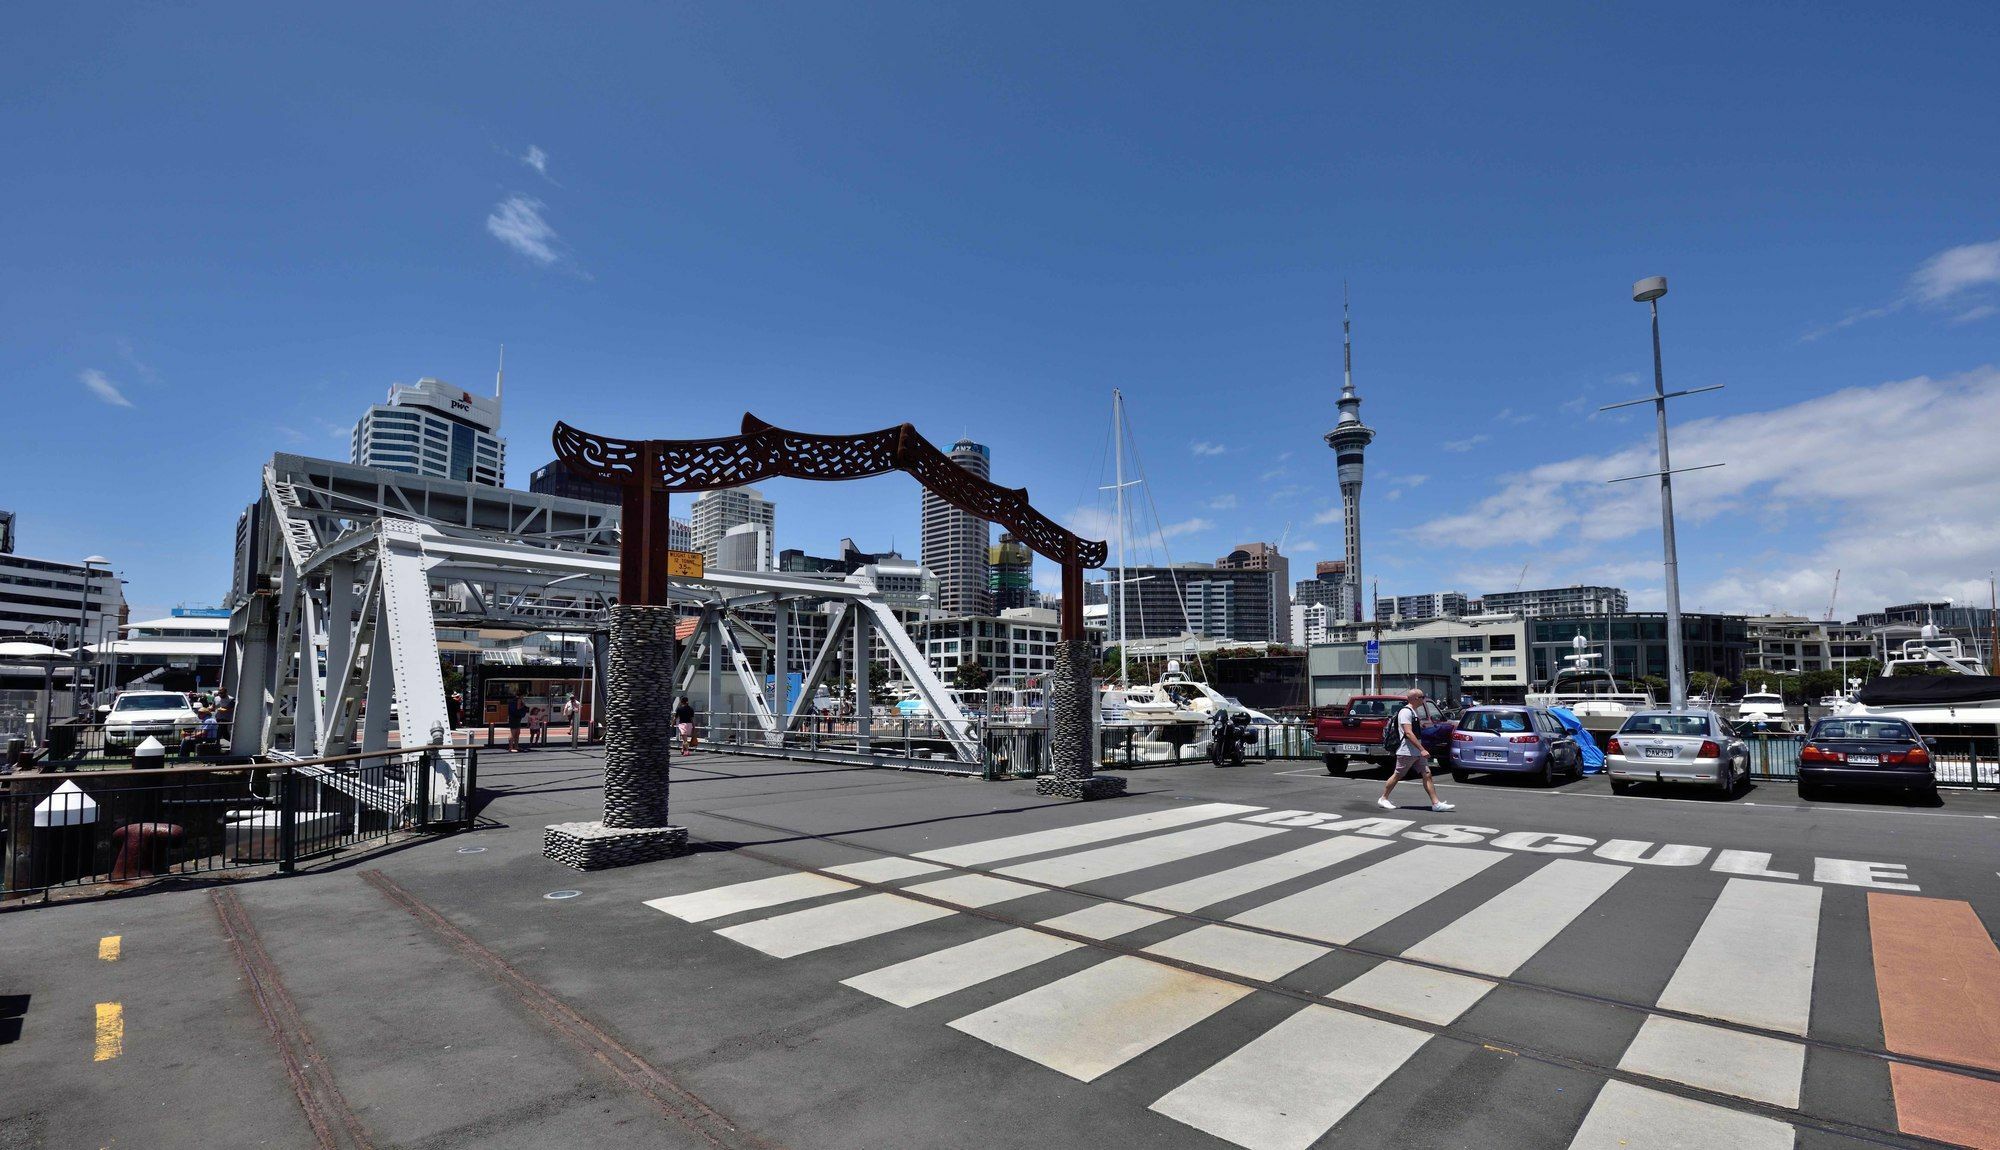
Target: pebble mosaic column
1072, 750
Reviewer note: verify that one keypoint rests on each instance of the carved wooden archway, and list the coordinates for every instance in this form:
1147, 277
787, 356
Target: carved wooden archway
644, 468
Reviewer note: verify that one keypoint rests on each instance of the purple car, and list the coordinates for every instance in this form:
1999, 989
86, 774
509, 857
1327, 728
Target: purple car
1514, 741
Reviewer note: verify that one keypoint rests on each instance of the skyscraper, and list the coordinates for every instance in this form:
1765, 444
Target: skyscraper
955, 543
1350, 439
1265, 557
1011, 578
432, 428
715, 512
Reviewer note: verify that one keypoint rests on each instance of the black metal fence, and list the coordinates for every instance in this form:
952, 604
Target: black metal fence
61, 830
1956, 761
96, 745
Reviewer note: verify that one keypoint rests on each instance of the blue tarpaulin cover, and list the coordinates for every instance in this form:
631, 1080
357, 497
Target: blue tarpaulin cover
1593, 758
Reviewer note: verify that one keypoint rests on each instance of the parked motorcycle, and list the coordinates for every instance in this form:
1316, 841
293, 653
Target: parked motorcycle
1229, 734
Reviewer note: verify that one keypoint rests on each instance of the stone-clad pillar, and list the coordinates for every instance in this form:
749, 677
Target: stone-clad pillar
1072, 749
638, 739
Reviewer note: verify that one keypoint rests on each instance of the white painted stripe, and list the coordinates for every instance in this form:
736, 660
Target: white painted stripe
1508, 929
1627, 1117
947, 971
717, 902
1221, 886
1088, 866
1417, 992
1098, 1019
1243, 952
1104, 920
1290, 1085
883, 869
974, 889
1725, 1061
1752, 961
1061, 838
1352, 905
785, 935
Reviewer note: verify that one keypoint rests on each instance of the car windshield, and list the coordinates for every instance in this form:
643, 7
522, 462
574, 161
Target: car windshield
1368, 707
1666, 725
1496, 722
1893, 730
159, 702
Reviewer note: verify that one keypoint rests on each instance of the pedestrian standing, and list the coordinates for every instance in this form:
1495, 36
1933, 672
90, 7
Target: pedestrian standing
574, 714
684, 725
1411, 754
225, 713
516, 711
538, 725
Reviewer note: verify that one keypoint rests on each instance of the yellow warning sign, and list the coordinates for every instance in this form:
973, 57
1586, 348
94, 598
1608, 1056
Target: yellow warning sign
684, 564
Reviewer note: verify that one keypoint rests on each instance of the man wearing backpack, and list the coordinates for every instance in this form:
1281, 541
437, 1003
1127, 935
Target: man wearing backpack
1411, 754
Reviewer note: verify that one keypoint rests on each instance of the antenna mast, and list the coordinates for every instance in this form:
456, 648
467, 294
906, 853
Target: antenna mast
500, 373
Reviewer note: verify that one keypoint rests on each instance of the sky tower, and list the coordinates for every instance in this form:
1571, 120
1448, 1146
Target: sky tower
1350, 439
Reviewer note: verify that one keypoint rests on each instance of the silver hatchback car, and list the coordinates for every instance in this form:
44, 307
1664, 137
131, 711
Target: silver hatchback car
1676, 747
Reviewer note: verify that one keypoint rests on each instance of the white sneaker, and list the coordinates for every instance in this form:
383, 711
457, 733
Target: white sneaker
1385, 804
1441, 806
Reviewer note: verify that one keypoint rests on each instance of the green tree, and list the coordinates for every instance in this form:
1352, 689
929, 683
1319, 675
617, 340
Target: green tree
1709, 683
878, 684
971, 675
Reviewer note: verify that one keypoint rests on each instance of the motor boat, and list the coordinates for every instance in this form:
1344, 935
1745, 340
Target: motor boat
1765, 705
1937, 689
1598, 699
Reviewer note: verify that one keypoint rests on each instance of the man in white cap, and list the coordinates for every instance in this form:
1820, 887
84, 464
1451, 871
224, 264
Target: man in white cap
1411, 754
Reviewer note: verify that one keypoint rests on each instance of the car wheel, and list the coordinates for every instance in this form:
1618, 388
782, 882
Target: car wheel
1460, 775
1620, 786
1336, 765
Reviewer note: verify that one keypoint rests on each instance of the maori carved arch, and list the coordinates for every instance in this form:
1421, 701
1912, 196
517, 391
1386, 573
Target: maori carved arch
644, 467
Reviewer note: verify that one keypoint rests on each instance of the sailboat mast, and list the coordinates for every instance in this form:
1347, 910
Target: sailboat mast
1118, 453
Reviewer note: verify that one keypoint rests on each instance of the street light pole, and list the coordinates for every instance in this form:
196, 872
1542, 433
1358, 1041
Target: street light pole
82, 639
1648, 291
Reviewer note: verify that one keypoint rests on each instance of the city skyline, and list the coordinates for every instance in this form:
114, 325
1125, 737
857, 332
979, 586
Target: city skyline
195, 288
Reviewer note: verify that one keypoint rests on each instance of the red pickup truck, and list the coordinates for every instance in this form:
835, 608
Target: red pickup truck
1354, 731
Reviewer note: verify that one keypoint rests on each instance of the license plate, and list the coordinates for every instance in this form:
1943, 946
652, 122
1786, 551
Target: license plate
1865, 760
1659, 752
1492, 756
1356, 749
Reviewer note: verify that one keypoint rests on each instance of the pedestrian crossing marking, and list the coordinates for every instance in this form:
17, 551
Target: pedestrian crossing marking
1105, 920
1511, 927
1095, 1020
1042, 842
1352, 905
1240, 952
1418, 992
973, 890
1291, 1084
1751, 1066
1628, 1117
1250, 877
1778, 924
1947, 1107
1104, 862
804, 931
886, 869
947, 971
722, 901
1938, 974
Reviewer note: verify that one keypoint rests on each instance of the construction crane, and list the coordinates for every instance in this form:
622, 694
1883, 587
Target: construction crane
1835, 597
1523, 580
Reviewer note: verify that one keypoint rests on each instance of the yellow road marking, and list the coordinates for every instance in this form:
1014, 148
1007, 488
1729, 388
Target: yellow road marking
109, 946
110, 1031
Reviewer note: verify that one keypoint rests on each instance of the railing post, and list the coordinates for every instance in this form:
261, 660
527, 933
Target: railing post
468, 788
288, 807
426, 761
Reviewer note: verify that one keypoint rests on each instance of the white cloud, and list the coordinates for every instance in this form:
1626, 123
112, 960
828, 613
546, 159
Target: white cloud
537, 159
1466, 444
1203, 447
1274, 473
1902, 509
290, 434
1222, 503
100, 385
1301, 546
1957, 270
517, 222
1098, 523
1333, 514
1972, 314
1417, 480
1186, 527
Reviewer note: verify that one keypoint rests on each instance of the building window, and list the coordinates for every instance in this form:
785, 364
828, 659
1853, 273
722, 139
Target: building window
1500, 642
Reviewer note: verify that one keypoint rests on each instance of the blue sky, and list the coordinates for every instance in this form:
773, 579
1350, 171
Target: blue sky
229, 229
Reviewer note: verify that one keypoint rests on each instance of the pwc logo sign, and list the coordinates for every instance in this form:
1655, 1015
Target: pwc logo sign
463, 402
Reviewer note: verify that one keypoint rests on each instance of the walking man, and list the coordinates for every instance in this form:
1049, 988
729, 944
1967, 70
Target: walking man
1411, 754
684, 725
517, 709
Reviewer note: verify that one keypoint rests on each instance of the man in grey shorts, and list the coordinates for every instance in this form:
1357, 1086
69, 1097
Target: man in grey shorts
1411, 755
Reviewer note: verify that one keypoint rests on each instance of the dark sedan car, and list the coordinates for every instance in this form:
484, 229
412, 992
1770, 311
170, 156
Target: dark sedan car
1514, 741
1867, 752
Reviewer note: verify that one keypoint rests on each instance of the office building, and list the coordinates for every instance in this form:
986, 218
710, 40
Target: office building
850, 560
715, 512
1195, 598
1309, 621
1010, 574
1265, 557
1633, 645
1416, 608
556, 478
59, 604
1014, 644
1327, 588
1891, 627
1545, 601
432, 428
956, 544
1337, 672
744, 547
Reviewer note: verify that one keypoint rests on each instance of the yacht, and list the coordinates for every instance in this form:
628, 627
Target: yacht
1766, 704
1598, 699
1937, 688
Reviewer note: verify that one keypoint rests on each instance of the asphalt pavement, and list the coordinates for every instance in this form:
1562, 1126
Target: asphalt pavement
1256, 956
